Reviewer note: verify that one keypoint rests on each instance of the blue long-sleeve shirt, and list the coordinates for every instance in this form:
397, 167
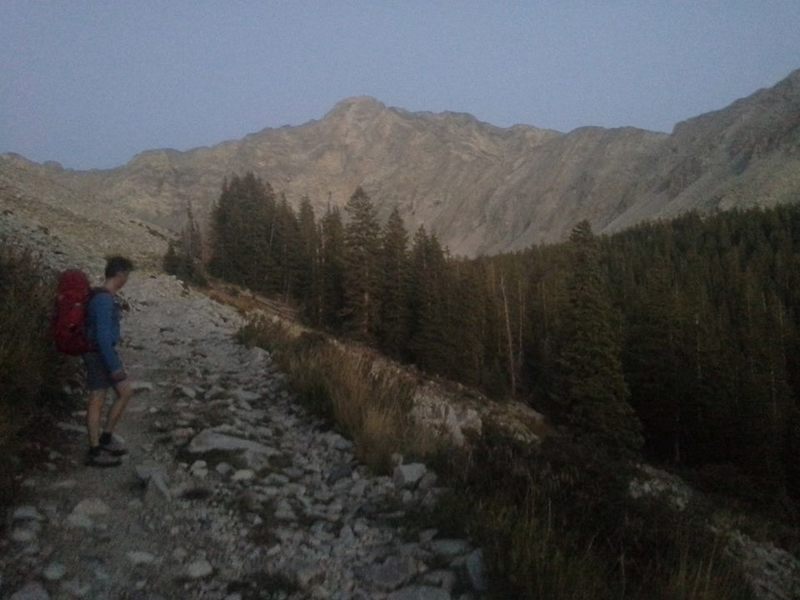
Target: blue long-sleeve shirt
103, 328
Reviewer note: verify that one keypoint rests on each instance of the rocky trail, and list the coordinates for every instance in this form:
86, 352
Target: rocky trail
230, 489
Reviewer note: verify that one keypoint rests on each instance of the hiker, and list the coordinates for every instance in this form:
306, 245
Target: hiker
104, 369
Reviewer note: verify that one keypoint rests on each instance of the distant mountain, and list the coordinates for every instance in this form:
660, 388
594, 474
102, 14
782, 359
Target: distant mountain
481, 188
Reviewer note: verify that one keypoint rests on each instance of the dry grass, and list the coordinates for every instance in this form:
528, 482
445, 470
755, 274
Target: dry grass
369, 406
708, 577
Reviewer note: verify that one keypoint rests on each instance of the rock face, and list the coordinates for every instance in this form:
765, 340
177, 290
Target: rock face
482, 189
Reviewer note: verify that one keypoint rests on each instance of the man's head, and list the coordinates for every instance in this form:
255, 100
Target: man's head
117, 270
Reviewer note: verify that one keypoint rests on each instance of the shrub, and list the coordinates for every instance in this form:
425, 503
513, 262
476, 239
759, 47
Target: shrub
30, 369
558, 522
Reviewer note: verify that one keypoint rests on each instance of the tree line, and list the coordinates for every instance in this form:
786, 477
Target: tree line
676, 339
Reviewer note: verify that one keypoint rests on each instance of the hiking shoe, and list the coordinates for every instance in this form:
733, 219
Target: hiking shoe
102, 459
114, 447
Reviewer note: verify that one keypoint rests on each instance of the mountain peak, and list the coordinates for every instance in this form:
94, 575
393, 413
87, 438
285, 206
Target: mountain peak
359, 104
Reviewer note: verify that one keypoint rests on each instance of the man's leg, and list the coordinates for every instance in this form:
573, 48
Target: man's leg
124, 393
96, 457
93, 412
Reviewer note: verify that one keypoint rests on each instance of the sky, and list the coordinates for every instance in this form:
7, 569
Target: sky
90, 84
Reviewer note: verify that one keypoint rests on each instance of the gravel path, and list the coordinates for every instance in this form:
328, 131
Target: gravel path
230, 490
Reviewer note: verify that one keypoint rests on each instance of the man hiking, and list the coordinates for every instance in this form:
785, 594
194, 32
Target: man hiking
104, 369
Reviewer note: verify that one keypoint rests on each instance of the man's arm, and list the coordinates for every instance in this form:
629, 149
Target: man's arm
104, 305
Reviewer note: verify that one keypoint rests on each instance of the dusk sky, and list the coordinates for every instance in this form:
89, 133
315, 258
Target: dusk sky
90, 84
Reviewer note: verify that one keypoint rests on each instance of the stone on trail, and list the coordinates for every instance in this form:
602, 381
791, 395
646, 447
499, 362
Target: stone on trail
27, 513
257, 460
441, 578
181, 435
428, 481
54, 571
199, 569
426, 535
394, 572
91, 507
209, 440
407, 476
476, 571
141, 386
419, 592
139, 557
304, 573
186, 391
80, 521
449, 548
158, 488
31, 591
244, 395
23, 534
284, 512
75, 588
223, 468
146, 471
258, 355
359, 488
338, 472
243, 475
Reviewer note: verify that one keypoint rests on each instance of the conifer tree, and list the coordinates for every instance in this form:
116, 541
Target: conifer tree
467, 322
593, 394
287, 249
240, 223
654, 365
307, 289
393, 318
332, 268
361, 274
429, 343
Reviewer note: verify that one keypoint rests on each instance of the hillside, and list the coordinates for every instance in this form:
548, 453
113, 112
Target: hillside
482, 188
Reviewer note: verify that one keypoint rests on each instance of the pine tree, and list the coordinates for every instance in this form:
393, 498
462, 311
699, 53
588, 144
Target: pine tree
393, 317
332, 268
361, 284
241, 224
307, 288
593, 394
286, 249
467, 322
429, 344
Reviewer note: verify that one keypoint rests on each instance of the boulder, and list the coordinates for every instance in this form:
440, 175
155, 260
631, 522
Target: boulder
407, 476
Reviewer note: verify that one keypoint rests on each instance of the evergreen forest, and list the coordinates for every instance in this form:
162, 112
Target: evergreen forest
678, 341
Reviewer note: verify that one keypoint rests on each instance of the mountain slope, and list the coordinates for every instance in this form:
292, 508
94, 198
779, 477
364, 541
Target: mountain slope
483, 189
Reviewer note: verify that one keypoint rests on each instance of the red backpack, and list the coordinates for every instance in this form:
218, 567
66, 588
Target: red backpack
68, 327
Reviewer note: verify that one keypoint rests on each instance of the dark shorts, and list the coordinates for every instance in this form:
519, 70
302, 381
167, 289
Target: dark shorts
97, 375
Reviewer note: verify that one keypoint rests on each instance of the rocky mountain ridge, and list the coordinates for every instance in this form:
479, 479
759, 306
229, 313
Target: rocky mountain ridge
252, 490
481, 188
